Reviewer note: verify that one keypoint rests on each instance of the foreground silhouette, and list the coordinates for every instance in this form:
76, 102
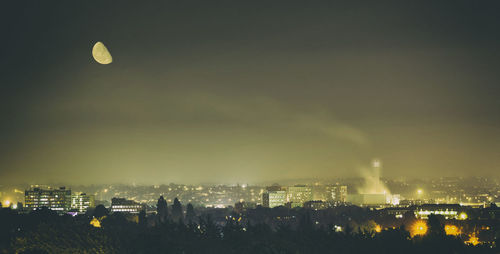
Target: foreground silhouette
43, 231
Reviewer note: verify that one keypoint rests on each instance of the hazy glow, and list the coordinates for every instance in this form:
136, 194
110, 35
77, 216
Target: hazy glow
372, 184
419, 228
451, 230
463, 216
101, 54
473, 239
191, 101
95, 222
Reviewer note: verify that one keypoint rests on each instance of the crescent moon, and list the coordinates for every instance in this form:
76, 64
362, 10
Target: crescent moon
101, 54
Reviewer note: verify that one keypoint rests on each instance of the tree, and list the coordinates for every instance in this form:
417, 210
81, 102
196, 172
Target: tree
190, 214
177, 210
142, 218
162, 210
100, 211
436, 228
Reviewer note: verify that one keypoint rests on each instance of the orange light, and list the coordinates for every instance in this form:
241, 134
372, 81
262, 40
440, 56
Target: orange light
473, 239
95, 222
451, 230
419, 228
378, 229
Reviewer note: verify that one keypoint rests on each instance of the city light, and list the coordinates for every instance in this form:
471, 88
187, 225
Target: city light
462, 216
420, 192
95, 222
378, 229
419, 228
451, 230
473, 240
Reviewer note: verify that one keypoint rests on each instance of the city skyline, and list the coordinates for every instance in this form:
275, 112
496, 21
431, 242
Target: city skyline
450, 190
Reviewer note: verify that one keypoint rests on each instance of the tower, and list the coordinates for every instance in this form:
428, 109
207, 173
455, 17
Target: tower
377, 165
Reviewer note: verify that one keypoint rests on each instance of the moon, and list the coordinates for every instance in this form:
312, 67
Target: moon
101, 53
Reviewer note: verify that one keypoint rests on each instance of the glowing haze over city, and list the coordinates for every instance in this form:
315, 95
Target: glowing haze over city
247, 92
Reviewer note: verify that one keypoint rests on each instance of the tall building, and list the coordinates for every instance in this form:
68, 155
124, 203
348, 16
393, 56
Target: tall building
338, 193
299, 194
274, 198
55, 199
81, 202
125, 206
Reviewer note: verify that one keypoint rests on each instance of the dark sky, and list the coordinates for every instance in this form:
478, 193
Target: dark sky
248, 91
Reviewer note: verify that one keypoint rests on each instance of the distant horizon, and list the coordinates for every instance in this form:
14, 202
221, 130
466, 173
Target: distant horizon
259, 183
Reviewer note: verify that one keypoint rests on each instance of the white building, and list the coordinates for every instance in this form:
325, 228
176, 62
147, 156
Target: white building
81, 202
274, 198
125, 206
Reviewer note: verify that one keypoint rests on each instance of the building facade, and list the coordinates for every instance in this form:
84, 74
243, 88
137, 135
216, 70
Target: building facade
337, 193
448, 211
55, 199
81, 202
125, 206
299, 194
274, 198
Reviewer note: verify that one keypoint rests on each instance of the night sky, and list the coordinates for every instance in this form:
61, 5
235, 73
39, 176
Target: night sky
248, 91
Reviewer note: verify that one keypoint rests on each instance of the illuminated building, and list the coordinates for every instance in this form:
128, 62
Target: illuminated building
81, 202
125, 206
55, 199
297, 195
448, 211
274, 198
337, 193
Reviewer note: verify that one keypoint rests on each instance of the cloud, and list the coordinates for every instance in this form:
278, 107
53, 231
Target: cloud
265, 111
190, 109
